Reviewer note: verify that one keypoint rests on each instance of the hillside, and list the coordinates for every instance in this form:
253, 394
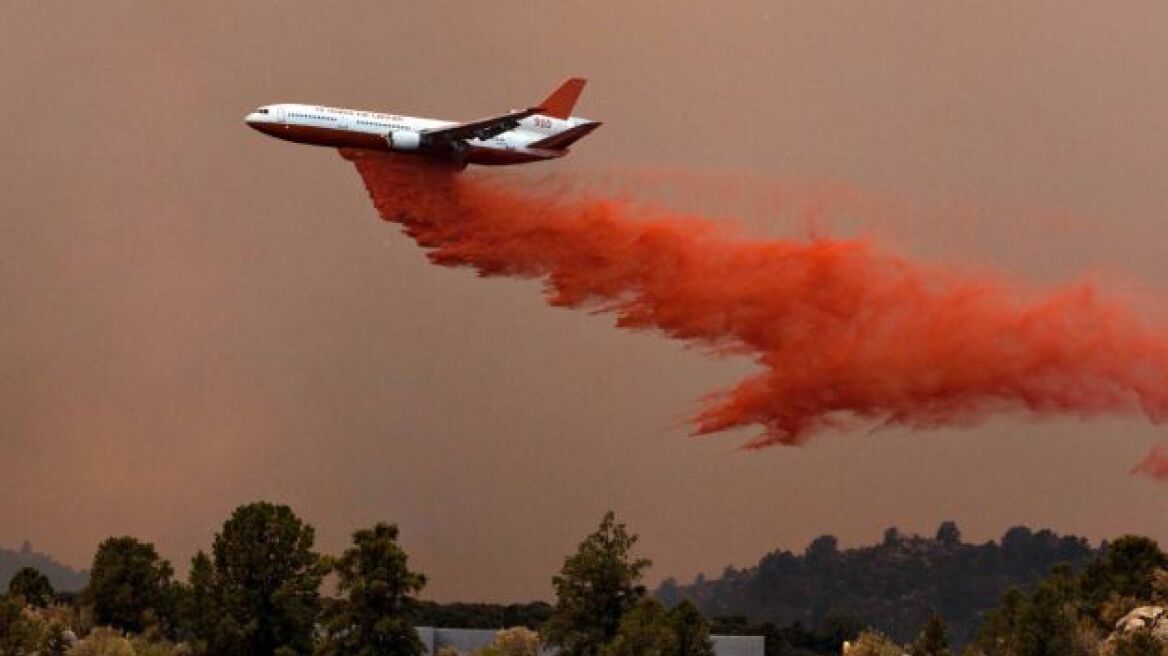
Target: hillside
64, 579
892, 586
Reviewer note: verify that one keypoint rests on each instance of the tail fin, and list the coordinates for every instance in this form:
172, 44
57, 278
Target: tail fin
560, 103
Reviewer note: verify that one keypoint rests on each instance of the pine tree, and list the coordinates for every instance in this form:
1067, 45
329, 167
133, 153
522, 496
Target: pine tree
377, 588
267, 581
595, 588
129, 585
199, 609
933, 640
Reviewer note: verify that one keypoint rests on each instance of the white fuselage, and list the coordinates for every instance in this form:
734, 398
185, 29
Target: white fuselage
534, 138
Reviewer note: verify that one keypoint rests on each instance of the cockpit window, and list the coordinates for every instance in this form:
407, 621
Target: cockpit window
263, 111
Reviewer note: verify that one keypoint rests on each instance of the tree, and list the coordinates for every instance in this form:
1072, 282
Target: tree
595, 588
129, 584
668, 592
377, 587
199, 610
646, 630
691, 630
933, 640
1050, 621
480, 615
32, 586
1127, 569
267, 580
891, 586
997, 635
892, 537
823, 547
948, 534
822, 552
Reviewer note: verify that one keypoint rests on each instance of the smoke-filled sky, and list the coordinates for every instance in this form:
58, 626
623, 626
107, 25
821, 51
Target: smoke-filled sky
196, 316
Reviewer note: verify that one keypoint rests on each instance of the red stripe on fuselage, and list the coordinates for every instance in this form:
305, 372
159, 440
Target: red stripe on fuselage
337, 138
318, 136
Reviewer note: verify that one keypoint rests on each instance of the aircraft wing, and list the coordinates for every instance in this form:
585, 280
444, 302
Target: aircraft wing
482, 129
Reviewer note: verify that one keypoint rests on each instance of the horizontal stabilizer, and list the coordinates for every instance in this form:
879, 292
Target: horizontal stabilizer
567, 137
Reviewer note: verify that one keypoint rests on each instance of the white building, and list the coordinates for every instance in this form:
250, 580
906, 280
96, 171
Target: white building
468, 641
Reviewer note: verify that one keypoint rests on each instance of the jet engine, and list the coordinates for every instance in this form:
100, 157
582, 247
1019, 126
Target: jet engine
403, 140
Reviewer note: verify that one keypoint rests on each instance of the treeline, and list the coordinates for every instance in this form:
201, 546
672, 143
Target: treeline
461, 615
1080, 612
257, 592
893, 586
1115, 606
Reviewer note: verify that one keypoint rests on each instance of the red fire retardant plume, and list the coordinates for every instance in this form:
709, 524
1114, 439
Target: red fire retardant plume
841, 332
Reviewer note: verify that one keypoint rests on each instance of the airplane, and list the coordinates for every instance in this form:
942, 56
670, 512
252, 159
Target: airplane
541, 132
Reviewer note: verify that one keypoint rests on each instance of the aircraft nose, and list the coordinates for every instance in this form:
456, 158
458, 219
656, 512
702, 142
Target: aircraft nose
258, 120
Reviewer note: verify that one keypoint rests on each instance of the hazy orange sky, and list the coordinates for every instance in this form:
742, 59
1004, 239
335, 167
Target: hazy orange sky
196, 316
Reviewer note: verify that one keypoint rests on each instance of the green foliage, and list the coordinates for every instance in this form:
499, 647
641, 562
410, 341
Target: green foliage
55, 643
793, 639
377, 588
1127, 569
266, 581
1047, 624
933, 640
997, 635
691, 630
595, 588
1065, 612
259, 594
645, 630
198, 606
32, 586
893, 585
28, 630
480, 615
129, 585
1043, 623
648, 629
19, 631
